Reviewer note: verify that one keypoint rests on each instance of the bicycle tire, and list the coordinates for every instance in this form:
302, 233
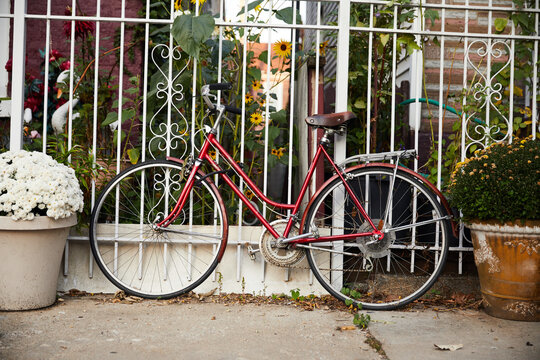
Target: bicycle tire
405, 264
152, 263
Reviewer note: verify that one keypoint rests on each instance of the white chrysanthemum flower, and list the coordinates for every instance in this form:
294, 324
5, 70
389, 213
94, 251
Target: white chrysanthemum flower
24, 194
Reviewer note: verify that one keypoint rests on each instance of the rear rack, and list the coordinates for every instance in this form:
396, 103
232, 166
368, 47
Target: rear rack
390, 155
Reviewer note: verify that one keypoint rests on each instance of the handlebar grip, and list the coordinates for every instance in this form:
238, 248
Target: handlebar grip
233, 110
220, 86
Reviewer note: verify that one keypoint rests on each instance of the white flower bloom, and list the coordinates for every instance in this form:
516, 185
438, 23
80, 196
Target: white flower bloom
32, 181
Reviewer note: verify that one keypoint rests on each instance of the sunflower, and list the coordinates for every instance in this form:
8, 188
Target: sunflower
249, 194
256, 118
278, 152
282, 48
212, 154
249, 99
201, 2
322, 47
256, 85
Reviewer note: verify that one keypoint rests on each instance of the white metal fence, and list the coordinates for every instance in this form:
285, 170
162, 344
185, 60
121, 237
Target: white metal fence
439, 47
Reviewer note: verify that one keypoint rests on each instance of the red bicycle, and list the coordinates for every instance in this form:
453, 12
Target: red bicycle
375, 233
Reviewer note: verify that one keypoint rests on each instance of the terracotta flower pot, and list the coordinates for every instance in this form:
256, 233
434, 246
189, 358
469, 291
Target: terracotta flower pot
30, 257
508, 261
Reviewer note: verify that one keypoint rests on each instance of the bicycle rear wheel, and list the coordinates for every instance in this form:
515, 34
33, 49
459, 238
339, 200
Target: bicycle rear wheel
383, 274
157, 263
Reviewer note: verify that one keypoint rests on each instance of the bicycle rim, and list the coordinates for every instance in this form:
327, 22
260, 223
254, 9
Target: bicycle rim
383, 274
152, 263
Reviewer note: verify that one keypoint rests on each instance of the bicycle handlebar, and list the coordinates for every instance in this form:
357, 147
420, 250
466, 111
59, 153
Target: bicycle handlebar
220, 86
233, 110
205, 90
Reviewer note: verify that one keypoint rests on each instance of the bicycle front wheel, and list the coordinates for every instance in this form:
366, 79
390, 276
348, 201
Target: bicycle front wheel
383, 274
146, 261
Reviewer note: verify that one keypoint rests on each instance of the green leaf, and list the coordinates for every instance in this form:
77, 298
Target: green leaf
128, 114
192, 31
279, 117
133, 155
432, 15
500, 24
264, 56
385, 38
286, 15
360, 104
251, 6
111, 117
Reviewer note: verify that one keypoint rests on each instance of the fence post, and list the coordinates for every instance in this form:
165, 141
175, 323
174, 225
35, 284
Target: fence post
17, 75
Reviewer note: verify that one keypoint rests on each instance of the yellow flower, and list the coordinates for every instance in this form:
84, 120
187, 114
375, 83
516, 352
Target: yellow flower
249, 99
201, 2
278, 152
178, 5
256, 85
212, 154
258, 8
322, 47
527, 111
249, 194
256, 118
282, 48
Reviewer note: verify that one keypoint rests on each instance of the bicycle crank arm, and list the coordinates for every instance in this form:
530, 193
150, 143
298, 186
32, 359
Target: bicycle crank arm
328, 250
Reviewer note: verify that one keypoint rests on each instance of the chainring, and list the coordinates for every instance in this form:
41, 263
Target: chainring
279, 256
372, 248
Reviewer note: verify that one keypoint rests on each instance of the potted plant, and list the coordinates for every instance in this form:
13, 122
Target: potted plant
39, 198
498, 192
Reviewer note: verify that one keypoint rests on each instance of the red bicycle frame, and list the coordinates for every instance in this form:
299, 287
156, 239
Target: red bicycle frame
211, 140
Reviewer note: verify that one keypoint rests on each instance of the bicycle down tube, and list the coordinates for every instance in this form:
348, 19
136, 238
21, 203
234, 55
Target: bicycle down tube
204, 156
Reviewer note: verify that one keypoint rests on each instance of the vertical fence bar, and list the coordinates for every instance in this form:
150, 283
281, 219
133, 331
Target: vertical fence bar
441, 99
488, 72
17, 75
242, 144
511, 100
369, 62
95, 121
46, 77
70, 109
267, 112
463, 126
342, 78
394, 65
291, 115
535, 76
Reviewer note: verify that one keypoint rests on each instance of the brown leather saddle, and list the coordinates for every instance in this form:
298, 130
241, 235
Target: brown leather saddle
330, 120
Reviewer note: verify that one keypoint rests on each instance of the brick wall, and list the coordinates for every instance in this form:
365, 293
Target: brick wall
36, 32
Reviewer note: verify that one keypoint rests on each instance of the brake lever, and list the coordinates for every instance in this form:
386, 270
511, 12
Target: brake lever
231, 123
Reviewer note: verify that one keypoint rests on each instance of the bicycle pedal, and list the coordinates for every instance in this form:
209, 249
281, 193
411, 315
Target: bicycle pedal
252, 252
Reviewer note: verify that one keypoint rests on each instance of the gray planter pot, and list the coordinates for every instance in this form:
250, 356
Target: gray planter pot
30, 257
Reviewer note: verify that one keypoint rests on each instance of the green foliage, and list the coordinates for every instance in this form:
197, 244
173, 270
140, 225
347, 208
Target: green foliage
501, 182
295, 295
192, 31
361, 320
381, 68
497, 112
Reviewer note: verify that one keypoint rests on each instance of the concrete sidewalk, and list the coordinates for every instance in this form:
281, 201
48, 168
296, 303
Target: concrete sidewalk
89, 328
